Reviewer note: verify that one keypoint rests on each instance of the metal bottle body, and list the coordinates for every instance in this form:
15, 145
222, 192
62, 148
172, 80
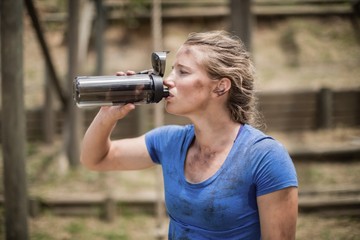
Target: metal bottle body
115, 90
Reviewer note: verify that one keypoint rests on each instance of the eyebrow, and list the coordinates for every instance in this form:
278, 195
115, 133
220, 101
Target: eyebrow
181, 65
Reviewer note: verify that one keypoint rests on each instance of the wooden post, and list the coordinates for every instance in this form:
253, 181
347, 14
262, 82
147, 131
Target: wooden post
73, 124
241, 19
13, 120
354, 19
99, 39
86, 17
158, 115
34, 207
48, 109
325, 108
109, 209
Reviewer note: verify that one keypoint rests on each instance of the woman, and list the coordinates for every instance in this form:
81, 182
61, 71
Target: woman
223, 178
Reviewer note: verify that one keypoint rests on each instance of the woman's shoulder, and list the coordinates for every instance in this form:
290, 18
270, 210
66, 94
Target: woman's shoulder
168, 137
260, 140
254, 135
174, 128
171, 131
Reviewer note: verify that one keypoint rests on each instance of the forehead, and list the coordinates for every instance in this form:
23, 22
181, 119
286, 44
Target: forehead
189, 55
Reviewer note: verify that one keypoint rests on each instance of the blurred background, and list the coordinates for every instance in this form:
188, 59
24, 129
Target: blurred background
307, 58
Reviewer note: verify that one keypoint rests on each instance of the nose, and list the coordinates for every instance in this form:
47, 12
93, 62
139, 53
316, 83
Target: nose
169, 82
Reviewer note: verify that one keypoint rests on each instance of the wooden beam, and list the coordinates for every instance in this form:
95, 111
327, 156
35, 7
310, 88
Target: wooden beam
48, 109
13, 120
44, 47
325, 108
241, 20
156, 22
73, 127
100, 24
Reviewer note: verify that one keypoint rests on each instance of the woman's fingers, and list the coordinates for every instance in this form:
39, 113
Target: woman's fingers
124, 110
120, 74
128, 72
117, 112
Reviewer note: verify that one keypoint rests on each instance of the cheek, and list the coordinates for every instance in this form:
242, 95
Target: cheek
191, 91
198, 85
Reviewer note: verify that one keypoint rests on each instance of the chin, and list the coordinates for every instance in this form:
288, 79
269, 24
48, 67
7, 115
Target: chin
168, 108
171, 109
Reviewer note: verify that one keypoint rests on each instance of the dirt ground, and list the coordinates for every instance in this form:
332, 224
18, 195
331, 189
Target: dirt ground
126, 227
326, 55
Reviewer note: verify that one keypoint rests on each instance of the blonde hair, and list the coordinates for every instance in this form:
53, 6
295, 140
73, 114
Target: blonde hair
226, 57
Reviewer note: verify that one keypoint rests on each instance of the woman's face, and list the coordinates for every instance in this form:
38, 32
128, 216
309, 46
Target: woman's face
189, 85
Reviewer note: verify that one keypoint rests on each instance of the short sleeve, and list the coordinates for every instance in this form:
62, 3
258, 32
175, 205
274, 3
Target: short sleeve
161, 141
153, 142
274, 169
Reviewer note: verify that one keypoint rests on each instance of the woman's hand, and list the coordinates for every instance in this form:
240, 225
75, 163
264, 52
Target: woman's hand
115, 113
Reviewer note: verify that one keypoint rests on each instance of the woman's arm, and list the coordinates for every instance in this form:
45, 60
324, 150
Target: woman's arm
278, 214
99, 153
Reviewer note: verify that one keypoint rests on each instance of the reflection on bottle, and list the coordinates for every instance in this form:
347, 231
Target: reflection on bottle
115, 90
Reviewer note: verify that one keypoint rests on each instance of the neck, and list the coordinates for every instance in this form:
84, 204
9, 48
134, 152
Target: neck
215, 134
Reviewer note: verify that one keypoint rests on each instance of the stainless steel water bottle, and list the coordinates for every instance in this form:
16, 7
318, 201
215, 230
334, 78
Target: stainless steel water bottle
142, 88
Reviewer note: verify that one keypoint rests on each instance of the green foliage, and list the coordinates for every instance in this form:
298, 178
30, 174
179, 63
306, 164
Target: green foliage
113, 236
41, 236
75, 228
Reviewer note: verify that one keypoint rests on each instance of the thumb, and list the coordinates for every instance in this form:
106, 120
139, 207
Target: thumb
124, 110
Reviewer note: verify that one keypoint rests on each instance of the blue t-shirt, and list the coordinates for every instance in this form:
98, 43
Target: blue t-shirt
223, 206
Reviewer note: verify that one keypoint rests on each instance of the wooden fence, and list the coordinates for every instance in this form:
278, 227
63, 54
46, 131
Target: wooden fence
304, 110
334, 201
310, 110
281, 111
121, 9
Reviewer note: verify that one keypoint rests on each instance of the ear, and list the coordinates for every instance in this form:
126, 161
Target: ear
222, 86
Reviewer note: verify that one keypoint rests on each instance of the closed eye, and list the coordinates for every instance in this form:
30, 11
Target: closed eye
180, 69
182, 72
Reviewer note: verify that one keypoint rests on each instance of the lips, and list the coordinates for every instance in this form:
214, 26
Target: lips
170, 96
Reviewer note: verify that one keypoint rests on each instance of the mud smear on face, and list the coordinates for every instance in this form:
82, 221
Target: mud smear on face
197, 55
198, 85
